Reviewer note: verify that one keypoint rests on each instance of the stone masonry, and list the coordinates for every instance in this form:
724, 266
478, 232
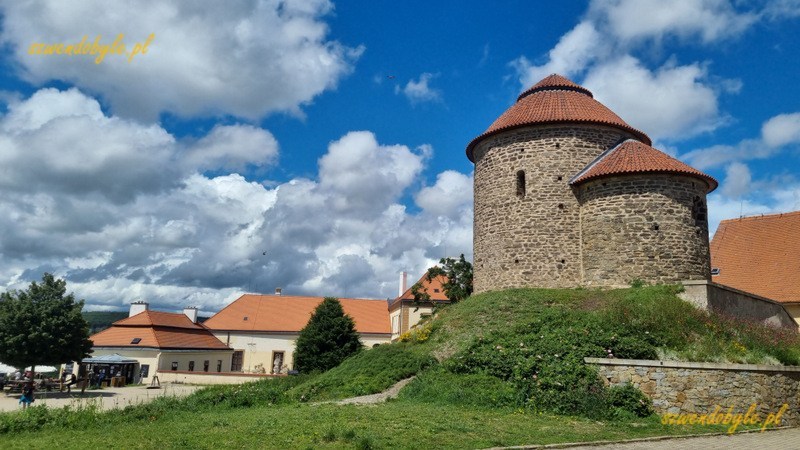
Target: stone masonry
532, 239
686, 387
650, 227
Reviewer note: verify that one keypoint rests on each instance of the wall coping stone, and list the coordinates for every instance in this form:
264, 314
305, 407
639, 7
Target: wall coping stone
731, 289
690, 365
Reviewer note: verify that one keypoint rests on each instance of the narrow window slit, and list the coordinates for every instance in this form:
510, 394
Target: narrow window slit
521, 184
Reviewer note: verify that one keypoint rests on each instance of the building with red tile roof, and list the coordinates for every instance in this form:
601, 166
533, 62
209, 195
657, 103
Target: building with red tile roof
262, 329
405, 312
760, 255
161, 341
569, 194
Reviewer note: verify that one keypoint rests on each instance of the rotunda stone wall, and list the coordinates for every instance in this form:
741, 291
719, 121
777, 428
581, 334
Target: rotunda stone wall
531, 236
650, 227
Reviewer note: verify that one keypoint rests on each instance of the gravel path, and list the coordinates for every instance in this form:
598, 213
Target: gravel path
376, 398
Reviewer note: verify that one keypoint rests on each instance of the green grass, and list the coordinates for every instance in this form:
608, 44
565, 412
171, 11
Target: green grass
395, 425
475, 386
365, 373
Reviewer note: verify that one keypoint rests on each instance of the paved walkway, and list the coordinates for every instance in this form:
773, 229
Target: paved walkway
108, 398
788, 438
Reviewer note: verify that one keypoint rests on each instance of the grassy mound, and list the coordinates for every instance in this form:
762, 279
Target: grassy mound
520, 350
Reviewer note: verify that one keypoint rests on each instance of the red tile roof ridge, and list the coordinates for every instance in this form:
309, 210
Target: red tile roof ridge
158, 318
631, 156
761, 216
554, 82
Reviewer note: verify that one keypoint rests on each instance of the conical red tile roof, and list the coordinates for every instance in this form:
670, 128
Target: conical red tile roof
555, 81
553, 100
635, 157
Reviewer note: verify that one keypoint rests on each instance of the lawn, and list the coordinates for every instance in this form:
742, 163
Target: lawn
395, 424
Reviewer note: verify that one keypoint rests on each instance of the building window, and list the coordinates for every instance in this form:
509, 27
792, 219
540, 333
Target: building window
237, 360
191, 366
277, 362
521, 184
174, 365
205, 365
219, 365
699, 213
144, 371
396, 324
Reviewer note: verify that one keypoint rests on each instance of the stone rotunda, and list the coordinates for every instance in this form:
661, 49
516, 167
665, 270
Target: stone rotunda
568, 194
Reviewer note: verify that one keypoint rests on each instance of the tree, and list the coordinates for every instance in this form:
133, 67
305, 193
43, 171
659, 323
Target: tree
42, 326
459, 277
329, 337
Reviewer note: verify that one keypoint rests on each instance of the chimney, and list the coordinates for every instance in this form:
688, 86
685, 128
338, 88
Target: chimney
277, 291
403, 283
138, 307
191, 313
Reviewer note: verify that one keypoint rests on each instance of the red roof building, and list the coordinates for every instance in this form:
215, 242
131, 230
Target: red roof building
760, 255
405, 312
262, 329
160, 342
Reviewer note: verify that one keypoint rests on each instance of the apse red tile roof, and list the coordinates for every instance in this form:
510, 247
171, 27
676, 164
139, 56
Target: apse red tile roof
286, 313
158, 330
635, 157
760, 255
554, 100
434, 288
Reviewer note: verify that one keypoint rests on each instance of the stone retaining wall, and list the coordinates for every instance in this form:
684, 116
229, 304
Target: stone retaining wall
735, 303
689, 387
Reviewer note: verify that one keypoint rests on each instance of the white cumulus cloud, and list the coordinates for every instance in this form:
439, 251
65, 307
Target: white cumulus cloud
246, 59
420, 91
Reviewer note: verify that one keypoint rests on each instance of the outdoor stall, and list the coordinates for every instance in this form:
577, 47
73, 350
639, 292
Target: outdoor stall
110, 370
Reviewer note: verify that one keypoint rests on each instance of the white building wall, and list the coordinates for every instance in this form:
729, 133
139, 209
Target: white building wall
182, 357
258, 348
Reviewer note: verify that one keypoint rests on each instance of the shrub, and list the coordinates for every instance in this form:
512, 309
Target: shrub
544, 359
626, 400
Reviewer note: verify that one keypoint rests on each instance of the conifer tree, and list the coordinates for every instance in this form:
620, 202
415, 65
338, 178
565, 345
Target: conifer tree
328, 339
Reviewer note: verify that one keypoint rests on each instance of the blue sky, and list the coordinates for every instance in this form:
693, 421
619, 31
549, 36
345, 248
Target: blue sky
319, 146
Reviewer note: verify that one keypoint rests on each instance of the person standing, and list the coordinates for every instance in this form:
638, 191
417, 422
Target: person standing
27, 395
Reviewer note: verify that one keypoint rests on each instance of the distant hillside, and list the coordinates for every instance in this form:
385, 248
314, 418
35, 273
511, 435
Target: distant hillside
100, 320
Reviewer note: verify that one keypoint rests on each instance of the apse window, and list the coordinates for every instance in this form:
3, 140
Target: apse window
699, 212
521, 184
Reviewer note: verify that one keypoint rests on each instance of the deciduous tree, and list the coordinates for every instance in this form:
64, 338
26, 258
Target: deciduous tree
459, 277
42, 325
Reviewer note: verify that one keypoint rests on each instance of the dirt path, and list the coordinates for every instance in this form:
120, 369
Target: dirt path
376, 398
108, 398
